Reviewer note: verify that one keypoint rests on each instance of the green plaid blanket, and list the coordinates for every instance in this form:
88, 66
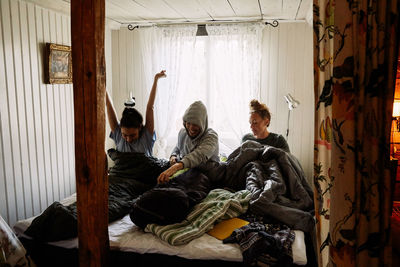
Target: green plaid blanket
219, 205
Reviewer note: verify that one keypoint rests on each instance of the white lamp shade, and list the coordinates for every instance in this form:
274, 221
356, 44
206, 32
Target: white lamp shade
396, 108
292, 103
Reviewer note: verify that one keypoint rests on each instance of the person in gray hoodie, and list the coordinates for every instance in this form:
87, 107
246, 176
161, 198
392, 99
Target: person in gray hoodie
197, 144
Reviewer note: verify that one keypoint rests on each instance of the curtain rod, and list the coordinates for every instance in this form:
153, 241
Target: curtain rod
131, 26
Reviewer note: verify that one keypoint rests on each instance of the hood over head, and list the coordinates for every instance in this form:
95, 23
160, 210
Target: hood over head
196, 113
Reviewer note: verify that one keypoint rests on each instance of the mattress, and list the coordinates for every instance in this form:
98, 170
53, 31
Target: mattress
125, 236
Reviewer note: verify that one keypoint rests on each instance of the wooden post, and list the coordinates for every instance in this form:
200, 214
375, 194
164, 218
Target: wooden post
87, 31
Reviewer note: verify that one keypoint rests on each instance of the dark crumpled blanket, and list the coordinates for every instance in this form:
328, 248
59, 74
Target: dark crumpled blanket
137, 166
132, 175
171, 202
275, 179
264, 244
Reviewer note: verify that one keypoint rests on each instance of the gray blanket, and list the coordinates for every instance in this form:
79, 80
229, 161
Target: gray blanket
275, 179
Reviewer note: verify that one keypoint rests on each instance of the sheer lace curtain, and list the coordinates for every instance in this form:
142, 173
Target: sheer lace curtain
222, 70
235, 53
171, 49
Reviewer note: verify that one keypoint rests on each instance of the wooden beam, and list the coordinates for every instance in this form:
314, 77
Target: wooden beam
87, 30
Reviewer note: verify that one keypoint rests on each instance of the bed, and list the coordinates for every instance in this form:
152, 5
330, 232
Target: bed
129, 243
127, 238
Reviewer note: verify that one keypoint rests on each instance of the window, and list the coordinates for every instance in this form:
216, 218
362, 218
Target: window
212, 83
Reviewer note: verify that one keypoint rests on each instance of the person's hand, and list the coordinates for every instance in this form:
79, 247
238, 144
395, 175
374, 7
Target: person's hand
164, 176
159, 75
172, 160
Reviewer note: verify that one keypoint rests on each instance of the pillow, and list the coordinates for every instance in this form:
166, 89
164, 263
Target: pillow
12, 252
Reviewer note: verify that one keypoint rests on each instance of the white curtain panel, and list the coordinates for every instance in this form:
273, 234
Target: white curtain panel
235, 53
222, 70
165, 48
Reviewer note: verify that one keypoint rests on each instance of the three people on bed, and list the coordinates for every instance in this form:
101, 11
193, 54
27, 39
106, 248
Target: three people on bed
260, 118
197, 144
129, 134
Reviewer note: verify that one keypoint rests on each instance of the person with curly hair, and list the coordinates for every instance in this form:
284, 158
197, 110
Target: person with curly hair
260, 118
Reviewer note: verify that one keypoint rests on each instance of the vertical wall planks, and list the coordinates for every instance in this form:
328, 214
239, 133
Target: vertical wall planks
29, 157
294, 75
281, 112
71, 121
3, 197
20, 133
64, 113
15, 187
50, 89
36, 119
40, 25
6, 174
40, 197
58, 110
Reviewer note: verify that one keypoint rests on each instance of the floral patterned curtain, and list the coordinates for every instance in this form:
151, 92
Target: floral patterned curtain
355, 51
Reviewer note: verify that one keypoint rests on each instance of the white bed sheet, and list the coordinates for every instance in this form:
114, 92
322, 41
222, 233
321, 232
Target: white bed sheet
126, 236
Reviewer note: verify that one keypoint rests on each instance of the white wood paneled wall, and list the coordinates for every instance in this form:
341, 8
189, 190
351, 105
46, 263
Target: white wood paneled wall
37, 124
37, 155
286, 68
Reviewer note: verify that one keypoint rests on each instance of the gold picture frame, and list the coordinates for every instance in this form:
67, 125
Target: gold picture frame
58, 64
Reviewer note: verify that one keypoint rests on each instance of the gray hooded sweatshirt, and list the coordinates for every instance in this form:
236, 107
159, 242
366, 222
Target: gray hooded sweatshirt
201, 149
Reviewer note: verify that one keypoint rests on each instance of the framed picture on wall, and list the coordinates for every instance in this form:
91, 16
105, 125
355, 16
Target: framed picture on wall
58, 63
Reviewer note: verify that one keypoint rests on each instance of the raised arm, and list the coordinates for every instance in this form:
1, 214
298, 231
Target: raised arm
111, 114
150, 103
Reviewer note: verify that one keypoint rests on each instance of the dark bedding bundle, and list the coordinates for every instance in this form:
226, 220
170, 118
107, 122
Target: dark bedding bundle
136, 166
171, 202
275, 179
132, 175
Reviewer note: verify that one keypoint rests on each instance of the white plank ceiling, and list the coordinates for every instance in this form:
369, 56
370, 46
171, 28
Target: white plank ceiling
179, 11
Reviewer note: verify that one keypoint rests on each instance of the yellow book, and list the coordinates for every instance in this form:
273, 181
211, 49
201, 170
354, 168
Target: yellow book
225, 228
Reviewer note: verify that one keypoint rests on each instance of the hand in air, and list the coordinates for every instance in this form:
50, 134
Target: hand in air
161, 74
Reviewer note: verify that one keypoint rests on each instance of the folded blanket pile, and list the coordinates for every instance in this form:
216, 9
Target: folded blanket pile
264, 244
219, 204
